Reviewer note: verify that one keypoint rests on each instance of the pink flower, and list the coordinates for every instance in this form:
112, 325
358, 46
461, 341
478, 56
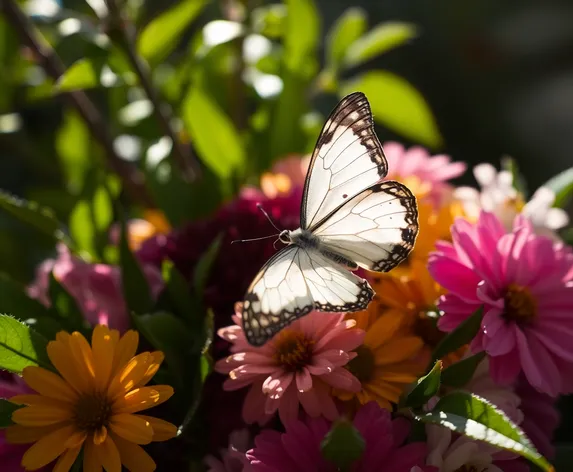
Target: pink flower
11, 454
452, 453
432, 172
298, 366
299, 448
233, 459
540, 417
96, 287
525, 283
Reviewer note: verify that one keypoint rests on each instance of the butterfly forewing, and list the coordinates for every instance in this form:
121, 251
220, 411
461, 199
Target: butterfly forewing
376, 229
348, 158
293, 283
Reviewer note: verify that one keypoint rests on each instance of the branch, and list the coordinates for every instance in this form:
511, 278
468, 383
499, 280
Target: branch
125, 30
131, 176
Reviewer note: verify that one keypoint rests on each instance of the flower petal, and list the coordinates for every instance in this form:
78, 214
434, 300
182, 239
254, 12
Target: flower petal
48, 384
162, 430
132, 428
47, 448
133, 457
103, 347
41, 415
67, 459
143, 398
125, 350
108, 455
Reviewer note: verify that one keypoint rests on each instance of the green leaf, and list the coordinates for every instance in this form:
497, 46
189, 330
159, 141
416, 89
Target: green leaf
459, 337
459, 374
347, 29
15, 300
83, 74
343, 444
30, 213
302, 33
65, 307
21, 346
6, 410
135, 288
562, 185
213, 133
425, 388
82, 228
475, 417
397, 105
163, 33
380, 39
74, 149
203, 267
168, 334
178, 291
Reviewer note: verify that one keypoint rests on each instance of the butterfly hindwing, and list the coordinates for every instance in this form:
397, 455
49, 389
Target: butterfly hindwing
376, 229
348, 157
293, 283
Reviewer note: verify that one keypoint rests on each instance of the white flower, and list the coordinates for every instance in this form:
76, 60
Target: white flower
497, 195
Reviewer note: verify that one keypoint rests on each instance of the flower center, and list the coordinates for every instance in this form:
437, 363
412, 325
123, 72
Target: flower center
92, 411
293, 350
425, 327
362, 366
469, 468
519, 304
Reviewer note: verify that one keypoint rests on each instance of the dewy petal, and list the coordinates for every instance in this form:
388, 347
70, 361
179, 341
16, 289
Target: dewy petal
108, 455
157, 358
67, 459
91, 459
133, 457
48, 384
83, 358
60, 354
125, 350
143, 398
47, 449
103, 348
162, 430
303, 380
132, 373
41, 415
132, 428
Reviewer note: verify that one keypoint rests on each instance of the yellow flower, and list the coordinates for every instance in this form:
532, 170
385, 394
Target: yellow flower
412, 296
92, 404
385, 363
139, 230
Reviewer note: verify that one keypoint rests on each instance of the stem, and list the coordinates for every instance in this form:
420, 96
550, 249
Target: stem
132, 177
187, 162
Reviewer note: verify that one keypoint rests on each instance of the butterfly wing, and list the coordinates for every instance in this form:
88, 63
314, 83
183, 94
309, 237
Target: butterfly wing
347, 158
293, 283
376, 229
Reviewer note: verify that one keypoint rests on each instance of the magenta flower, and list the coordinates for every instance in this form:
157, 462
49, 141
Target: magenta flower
298, 366
525, 283
234, 458
95, 287
417, 162
11, 454
540, 417
299, 447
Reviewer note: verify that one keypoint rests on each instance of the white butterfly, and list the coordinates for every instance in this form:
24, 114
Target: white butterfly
349, 219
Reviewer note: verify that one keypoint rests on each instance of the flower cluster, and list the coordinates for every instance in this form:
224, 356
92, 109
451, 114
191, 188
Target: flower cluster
324, 380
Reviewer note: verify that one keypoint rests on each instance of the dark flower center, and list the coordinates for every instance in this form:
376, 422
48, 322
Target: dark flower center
469, 468
92, 411
362, 366
519, 304
426, 327
293, 350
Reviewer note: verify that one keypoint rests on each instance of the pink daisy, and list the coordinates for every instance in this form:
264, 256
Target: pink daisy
525, 283
233, 459
299, 447
430, 171
299, 365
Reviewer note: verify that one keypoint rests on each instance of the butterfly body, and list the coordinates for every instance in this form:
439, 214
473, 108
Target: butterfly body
350, 218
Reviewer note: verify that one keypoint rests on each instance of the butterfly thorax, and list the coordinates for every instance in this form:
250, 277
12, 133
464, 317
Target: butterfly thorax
302, 238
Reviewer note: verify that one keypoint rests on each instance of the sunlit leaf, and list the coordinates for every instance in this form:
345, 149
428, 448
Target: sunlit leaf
213, 133
397, 105
83, 74
21, 346
301, 36
378, 40
475, 417
348, 28
562, 185
65, 307
163, 33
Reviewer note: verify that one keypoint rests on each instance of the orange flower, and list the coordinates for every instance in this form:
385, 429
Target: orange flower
93, 403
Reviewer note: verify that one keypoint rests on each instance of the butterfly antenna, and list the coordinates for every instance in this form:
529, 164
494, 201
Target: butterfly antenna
254, 239
260, 207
